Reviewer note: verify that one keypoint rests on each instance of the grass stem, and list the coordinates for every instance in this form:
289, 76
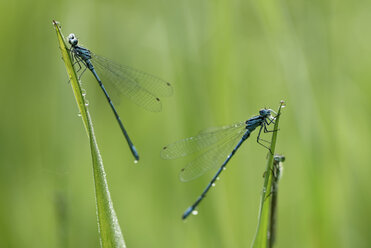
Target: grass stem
262, 234
108, 225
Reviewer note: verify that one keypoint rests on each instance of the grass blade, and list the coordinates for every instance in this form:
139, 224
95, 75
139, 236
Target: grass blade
108, 225
262, 233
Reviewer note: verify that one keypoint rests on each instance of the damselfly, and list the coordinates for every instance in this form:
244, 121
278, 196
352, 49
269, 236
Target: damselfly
213, 146
142, 88
276, 173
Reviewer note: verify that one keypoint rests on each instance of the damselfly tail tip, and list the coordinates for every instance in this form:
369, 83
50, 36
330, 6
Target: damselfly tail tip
136, 157
135, 153
189, 211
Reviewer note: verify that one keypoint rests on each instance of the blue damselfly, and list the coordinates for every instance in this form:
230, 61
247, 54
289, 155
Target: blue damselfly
213, 146
142, 88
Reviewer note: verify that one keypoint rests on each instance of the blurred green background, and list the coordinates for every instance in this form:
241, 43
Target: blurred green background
226, 60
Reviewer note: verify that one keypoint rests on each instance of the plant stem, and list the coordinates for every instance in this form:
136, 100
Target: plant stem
108, 225
262, 233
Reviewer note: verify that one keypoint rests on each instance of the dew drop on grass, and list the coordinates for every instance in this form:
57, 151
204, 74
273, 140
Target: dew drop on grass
136, 162
213, 185
86, 103
195, 212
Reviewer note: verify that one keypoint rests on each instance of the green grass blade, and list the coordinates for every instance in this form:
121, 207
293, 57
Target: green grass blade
261, 235
66, 56
108, 225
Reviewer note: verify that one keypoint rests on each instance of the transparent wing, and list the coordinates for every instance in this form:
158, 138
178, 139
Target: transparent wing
212, 158
202, 141
142, 88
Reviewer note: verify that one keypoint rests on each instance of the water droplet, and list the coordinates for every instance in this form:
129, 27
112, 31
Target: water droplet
83, 92
79, 114
213, 185
136, 161
224, 168
217, 178
86, 103
195, 212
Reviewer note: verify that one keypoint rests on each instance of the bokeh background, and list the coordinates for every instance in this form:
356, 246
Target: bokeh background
226, 60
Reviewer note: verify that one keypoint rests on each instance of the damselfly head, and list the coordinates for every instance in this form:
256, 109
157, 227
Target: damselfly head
265, 112
279, 158
72, 39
